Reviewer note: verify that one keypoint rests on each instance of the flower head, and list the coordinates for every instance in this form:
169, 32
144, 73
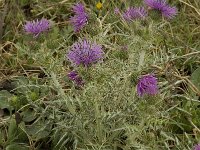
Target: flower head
73, 75
85, 53
37, 27
116, 11
162, 6
147, 84
169, 12
134, 13
80, 18
197, 147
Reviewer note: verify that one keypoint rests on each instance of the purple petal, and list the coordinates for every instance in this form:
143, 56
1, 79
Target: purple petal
85, 53
79, 20
147, 84
37, 27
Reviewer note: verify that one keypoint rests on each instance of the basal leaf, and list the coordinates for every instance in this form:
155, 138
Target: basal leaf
4, 99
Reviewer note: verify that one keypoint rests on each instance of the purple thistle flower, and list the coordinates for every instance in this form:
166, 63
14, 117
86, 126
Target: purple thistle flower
116, 11
73, 75
127, 15
134, 13
37, 27
79, 20
162, 6
147, 84
155, 4
197, 147
169, 12
85, 52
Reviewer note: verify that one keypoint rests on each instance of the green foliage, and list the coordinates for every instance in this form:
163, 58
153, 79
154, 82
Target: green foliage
5, 97
41, 108
195, 78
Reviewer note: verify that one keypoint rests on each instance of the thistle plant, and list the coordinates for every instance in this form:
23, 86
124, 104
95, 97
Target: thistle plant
161, 5
85, 53
147, 84
73, 76
134, 13
197, 147
136, 77
80, 18
36, 27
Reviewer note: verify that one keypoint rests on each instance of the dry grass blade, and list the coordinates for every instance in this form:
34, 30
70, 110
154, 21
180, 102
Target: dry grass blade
2, 18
